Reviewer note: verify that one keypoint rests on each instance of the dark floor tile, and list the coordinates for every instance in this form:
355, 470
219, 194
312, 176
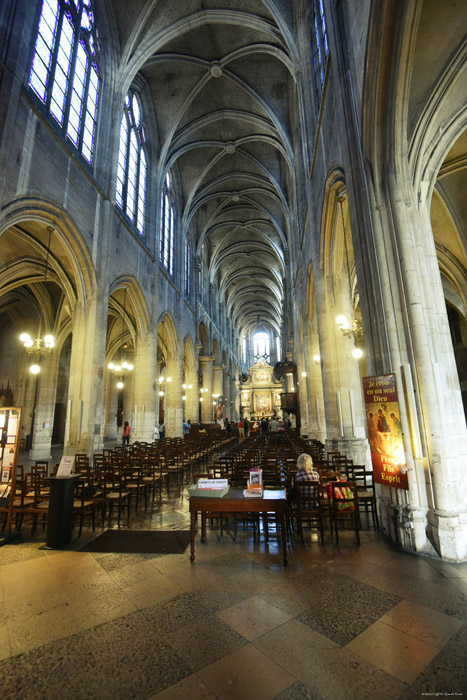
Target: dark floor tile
132, 659
112, 562
298, 691
204, 642
447, 673
175, 613
323, 581
8, 680
61, 669
346, 613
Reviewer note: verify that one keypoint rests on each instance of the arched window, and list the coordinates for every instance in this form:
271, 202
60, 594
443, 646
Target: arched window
278, 348
244, 349
188, 267
64, 73
132, 164
261, 346
319, 43
167, 227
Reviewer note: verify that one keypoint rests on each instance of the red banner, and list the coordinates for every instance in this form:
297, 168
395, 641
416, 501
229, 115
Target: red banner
384, 430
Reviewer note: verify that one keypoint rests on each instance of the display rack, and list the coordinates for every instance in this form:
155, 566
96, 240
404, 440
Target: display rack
10, 426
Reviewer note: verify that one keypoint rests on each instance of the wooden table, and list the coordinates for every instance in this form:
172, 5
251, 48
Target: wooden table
234, 502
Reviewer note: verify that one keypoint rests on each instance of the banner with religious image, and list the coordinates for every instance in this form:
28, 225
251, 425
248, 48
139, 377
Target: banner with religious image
384, 431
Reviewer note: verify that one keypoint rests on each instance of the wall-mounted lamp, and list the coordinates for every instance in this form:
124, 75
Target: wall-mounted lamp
316, 359
353, 330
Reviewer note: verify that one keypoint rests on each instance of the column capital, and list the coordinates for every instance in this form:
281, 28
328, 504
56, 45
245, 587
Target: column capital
206, 358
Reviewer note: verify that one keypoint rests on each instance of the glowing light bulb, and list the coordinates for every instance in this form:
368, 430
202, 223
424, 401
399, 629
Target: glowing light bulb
34, 369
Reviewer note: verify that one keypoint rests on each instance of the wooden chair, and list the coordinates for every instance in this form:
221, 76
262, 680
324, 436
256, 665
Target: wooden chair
343, 506
366, 490
307, 507
111, 492
84, 501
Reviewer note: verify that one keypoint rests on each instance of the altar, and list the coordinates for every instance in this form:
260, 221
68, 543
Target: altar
260, 394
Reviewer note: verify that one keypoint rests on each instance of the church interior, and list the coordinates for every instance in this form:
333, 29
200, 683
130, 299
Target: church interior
224, 210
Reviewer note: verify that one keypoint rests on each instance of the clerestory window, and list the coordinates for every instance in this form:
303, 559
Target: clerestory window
261, 347
167, 225
188, 267
64, 72
132, 164
319, 43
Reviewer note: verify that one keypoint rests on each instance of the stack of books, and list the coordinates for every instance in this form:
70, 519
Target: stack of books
253, 491
255, 484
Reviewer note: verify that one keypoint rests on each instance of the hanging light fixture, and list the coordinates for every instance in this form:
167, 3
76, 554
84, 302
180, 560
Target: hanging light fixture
122, 367
38, 347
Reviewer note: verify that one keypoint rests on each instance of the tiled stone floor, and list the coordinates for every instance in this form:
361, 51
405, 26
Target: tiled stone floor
348, 622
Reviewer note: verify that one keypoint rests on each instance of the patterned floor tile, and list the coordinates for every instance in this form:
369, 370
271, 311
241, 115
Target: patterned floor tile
346, 613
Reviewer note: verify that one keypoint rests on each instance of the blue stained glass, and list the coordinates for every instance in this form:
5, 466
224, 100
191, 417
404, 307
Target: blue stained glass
85, 21
77, 93
136, 110
141, 191
72, 76
132, 169
62, 70
44, 48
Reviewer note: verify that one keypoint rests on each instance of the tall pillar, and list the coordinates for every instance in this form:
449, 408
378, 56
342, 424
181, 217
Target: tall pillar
342, 391
111, 407
206, 364
44, 407
226, 393
173, 398
217, 384
85, 388
145, 387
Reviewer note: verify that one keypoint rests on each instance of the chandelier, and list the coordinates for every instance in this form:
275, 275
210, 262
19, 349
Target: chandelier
122, 367
38, 347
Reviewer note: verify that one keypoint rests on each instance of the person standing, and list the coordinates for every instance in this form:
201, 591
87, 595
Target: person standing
126, 434
241, 429
162, 431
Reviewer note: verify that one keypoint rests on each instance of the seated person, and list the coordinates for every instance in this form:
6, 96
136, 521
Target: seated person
305, 472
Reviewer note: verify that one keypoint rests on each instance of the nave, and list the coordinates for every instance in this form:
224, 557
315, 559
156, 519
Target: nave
346, 621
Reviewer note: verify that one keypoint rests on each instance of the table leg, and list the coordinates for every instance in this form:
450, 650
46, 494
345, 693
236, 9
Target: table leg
204, 536
266, 527
284, 538
192, 535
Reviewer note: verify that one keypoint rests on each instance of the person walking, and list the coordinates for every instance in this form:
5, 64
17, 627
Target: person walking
126, 434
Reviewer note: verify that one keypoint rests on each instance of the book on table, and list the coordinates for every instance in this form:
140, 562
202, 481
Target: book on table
253, 492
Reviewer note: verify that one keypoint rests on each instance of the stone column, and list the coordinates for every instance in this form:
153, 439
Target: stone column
206, 364
146, 389
44, 407
342, 392
226, 393
236, 397
173, 398
217, 384
111, 403
85, 388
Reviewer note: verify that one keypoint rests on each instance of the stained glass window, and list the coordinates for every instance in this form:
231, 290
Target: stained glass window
130, 191
261, 346
188, 266
64, 70
167, 227
319, 43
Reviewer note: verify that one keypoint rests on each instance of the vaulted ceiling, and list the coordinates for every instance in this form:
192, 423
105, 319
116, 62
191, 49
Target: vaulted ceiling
220, 76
